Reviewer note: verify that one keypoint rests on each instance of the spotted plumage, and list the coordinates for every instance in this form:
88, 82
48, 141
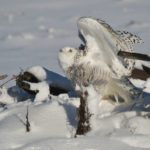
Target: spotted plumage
96, 61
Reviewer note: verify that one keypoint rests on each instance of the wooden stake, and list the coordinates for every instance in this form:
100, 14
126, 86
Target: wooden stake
84, 116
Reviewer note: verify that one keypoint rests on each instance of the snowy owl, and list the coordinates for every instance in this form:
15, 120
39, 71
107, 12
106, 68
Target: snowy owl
96, 62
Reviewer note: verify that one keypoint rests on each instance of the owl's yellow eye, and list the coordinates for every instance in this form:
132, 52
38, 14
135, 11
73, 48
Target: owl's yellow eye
70, 50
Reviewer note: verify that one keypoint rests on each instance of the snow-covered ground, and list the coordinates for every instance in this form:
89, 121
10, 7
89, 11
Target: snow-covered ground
32, 32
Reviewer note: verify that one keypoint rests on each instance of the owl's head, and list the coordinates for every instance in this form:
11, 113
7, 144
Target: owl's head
66, 57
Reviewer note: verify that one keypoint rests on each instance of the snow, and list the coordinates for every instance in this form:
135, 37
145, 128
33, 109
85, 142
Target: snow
42, 89
32, 32
52, 78
45, 120
93, 99
38, 71
4, 96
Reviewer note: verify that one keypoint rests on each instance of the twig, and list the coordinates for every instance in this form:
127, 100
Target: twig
13, 78
25, 123
27, 120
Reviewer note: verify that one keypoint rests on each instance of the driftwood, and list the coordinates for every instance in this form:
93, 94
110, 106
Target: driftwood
25, 86
57, 83
31, 78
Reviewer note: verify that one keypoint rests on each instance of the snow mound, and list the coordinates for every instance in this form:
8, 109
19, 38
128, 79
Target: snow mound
53, 124
47, 120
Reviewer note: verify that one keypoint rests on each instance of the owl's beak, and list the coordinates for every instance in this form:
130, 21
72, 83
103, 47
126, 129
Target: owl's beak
60, 50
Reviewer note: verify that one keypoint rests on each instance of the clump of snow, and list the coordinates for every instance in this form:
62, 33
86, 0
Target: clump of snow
93, 100
38, 71
42, 89
5, 97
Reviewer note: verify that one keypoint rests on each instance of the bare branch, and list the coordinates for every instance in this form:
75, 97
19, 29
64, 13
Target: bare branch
13, 78
27, 121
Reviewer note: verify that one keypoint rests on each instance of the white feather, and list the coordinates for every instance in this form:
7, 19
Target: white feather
97, 64
100, 39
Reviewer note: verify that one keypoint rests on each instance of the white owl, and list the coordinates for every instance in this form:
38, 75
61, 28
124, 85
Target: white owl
97, 62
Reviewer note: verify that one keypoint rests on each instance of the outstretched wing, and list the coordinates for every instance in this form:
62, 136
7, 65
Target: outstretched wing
99, 37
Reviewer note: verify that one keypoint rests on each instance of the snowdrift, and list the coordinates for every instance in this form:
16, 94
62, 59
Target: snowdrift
53, 119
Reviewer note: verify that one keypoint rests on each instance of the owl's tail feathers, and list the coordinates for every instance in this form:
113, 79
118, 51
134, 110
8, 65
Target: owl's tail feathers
116, 92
